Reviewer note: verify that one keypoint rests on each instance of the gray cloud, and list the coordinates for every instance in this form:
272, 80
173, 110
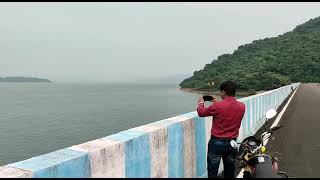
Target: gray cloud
126, 41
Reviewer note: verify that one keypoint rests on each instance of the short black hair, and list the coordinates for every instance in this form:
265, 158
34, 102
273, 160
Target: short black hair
229, 87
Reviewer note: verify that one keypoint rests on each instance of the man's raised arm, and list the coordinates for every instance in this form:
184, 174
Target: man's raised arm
203, 111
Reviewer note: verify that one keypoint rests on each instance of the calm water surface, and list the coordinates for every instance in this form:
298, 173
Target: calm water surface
37, 118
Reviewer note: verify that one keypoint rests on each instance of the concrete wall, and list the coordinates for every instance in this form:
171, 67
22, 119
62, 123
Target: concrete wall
173, 147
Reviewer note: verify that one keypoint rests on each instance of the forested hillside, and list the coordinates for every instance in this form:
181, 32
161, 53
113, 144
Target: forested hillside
266, 64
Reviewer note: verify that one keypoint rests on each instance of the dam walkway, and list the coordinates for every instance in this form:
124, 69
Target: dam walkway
297, 143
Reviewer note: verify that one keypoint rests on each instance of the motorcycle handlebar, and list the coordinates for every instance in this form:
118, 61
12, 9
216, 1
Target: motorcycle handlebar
275, 128
241, 155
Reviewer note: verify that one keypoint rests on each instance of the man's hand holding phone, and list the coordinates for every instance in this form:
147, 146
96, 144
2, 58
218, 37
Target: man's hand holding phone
210, 98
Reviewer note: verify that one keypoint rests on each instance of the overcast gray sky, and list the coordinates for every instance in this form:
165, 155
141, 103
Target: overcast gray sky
119, 41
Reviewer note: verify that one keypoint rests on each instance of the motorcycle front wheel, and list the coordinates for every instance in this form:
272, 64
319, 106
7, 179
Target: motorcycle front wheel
247, 174
282, 174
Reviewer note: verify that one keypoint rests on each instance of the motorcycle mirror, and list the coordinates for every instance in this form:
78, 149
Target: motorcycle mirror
271, 113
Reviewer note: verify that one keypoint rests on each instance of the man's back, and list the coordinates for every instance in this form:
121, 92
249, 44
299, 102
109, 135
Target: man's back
227, 118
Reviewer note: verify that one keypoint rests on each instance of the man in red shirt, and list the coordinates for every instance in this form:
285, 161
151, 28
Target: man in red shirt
227, 115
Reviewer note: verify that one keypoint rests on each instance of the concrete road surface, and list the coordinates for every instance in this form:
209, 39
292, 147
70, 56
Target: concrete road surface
297, 143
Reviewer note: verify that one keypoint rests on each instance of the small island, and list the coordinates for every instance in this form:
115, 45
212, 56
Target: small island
23, 79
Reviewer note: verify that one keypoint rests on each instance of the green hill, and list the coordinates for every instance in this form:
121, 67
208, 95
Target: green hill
267, 63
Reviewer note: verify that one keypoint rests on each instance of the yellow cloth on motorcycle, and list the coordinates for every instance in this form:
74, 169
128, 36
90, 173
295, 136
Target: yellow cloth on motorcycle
246, 157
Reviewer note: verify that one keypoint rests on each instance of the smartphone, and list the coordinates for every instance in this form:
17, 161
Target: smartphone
207, 98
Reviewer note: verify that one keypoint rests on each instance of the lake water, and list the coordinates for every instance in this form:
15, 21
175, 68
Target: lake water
38, 118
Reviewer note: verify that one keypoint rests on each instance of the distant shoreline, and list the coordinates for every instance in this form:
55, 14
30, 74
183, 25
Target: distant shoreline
22, 79
192, 90
203, 92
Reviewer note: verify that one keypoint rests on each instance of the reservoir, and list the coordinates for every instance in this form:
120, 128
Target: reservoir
38, 118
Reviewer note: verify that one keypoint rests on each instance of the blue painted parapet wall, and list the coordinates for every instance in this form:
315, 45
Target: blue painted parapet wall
173, 147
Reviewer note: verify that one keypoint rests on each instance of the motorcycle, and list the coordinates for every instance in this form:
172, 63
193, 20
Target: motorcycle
253, 157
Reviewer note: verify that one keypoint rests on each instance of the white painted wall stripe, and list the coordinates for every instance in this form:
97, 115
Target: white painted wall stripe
106, 157
189, 149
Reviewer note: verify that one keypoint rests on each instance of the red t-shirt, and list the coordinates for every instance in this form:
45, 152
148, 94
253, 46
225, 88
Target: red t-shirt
227, 115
